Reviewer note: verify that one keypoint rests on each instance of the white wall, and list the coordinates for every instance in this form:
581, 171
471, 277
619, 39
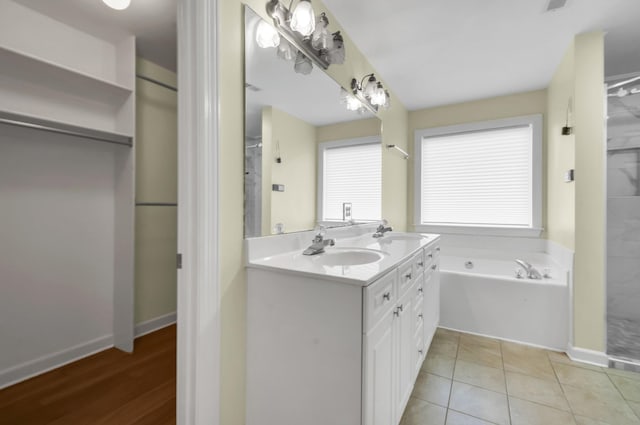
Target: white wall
56, 245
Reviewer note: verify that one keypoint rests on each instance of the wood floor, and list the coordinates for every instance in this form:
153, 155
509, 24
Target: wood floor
108, 388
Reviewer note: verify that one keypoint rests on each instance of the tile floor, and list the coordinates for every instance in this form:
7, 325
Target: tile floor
471, 380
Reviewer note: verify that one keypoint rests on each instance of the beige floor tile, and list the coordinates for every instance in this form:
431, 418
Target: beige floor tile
630, 388
625, 373
527, 413
581, 420
447, 335
558, 357
604, 406
488, 344
584, 378
481, 403
444, 347
480, 376
527, 360
536, 390
457, 418
635, 406
420, 412
432, 388
439, 365
480, 355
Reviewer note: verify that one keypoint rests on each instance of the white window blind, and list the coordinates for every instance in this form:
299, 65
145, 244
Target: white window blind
352, 173
478, 178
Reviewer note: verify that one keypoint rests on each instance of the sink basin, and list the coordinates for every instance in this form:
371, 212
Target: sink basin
402, 237
348, 257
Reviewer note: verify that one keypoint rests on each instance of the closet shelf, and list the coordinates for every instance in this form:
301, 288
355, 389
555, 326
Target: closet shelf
35, 123
34, 69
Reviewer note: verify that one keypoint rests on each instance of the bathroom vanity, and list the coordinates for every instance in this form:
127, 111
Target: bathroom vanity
338, 337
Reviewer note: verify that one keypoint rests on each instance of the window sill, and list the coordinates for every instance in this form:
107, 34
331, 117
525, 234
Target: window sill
480, 231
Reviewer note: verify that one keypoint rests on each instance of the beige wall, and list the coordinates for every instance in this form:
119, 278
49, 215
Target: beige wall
348, 130
589, 279
232, 275
156, 182
560, 155
296, 206
534, 102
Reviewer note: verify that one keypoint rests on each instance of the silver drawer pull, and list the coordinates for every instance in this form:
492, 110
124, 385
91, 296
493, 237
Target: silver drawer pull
420, 316
400, 308
386, 296
408, 276
421, 263
434, 267
420, 352
438, 249
396, 312
430, 255
420, 289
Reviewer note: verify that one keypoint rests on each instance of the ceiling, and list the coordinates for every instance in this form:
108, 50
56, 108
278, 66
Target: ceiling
153, 22
441, 52
428, 53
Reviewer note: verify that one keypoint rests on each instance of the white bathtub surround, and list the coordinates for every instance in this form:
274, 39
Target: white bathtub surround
489, 300
358, 334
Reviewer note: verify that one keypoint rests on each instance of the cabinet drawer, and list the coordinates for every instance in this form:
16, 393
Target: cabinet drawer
429, 257
407, 274
419, 263
379, 298
420, 351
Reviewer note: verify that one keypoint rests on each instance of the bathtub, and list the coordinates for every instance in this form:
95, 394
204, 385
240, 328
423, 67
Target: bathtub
480, 294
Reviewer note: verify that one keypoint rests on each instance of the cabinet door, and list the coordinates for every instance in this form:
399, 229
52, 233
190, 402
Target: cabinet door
379, 385
405, 325
431, 301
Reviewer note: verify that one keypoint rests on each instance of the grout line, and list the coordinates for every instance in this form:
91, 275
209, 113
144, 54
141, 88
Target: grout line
562, 389
475, 417
453, 373
506, 388
622, 395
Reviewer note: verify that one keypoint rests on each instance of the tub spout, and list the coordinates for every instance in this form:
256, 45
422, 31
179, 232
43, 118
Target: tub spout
532, 272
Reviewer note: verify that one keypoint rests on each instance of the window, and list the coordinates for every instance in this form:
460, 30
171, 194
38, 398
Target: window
480, 178
350, 171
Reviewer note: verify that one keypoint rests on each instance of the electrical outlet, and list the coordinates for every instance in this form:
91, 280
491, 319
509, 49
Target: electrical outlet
277, 187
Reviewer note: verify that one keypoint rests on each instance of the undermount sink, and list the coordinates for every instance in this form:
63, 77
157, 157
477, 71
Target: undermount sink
348, 257
402, 237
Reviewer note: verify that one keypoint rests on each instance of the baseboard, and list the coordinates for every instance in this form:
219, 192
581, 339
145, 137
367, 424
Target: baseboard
49, 362
155, 324
583, 355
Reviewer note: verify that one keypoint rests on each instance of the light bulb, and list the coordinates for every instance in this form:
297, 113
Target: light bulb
267, 36
117, 4
286, 51
303, 19
378, 97
370, 88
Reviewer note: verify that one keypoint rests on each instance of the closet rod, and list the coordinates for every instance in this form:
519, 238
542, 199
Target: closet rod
156, 204
154, 81
61, 128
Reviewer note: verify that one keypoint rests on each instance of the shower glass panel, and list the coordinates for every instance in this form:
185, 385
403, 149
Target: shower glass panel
623, 219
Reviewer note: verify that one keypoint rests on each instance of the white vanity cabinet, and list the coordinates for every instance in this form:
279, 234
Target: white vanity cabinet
326, 352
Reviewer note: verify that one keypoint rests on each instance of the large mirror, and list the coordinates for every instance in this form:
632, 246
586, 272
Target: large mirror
308, 159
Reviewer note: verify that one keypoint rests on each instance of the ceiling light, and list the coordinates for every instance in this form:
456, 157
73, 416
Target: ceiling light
117, 4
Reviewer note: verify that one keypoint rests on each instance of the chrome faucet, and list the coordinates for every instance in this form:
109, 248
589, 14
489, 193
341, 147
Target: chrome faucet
318, 244
382, 229
532, 272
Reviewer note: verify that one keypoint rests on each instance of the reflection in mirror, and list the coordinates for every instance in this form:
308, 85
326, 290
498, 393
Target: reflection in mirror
299, 139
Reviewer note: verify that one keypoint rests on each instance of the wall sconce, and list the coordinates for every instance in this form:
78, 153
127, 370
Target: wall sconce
299, 30
117, 4
371, 94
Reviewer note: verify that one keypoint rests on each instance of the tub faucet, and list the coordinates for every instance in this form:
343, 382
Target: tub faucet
318, 244
532, 272
382, 229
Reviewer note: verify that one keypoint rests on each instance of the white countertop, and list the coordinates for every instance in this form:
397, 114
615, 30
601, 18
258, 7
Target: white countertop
394, 251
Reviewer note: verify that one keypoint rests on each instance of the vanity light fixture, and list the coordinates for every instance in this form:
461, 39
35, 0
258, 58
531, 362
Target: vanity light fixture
267, 36
567, 129
372, 93
308, 35
117, 4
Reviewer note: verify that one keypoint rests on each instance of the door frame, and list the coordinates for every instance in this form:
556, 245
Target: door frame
198, 345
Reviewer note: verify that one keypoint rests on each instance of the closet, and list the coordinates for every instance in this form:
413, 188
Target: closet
67, 158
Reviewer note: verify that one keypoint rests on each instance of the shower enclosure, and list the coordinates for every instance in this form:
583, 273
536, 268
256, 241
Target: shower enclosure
623, 219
